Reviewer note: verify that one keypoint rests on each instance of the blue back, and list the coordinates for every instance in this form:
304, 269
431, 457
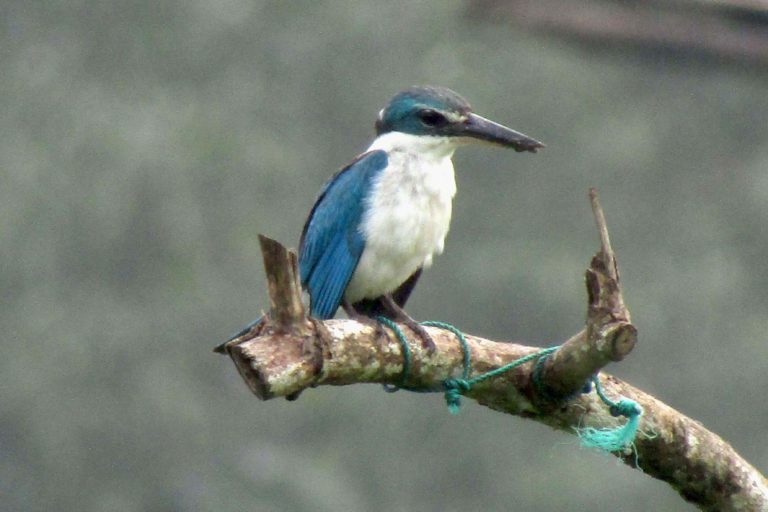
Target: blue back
332, 242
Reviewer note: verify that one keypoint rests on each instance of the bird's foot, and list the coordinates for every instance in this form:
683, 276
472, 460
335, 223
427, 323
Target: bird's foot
398, 314
426, 340
390, 309
365, 320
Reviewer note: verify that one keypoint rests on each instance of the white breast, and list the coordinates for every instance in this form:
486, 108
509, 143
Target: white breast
408, 213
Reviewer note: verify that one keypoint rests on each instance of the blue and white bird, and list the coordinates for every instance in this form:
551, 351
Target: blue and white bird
379, 221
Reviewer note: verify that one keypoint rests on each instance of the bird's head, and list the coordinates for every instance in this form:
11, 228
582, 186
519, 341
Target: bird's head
440, 112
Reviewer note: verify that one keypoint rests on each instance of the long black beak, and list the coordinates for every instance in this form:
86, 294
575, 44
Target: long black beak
480, 128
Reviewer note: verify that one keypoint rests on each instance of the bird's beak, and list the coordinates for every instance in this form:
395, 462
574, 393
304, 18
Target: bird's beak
482, 129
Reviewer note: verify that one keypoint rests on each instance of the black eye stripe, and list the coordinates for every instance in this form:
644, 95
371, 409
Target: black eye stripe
432, 118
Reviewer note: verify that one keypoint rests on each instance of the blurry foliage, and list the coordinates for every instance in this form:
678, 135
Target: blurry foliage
143, 145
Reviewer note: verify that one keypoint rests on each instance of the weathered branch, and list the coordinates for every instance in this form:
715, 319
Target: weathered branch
286, 308
289, 354
609, 334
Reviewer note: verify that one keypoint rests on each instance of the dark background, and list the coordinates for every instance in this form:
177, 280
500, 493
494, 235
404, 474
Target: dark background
144, 145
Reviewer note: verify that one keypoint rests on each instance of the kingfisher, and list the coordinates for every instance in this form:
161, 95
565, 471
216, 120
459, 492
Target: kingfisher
378, 222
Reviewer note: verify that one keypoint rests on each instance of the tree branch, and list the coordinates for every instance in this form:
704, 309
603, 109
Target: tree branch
286, 354
609, 334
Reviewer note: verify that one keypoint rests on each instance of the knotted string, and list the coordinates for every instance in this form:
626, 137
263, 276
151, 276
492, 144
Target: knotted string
606, 439
453, 388
613, 439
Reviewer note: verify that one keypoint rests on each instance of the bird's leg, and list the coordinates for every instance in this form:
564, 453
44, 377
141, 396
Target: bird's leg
352, 314
397, 314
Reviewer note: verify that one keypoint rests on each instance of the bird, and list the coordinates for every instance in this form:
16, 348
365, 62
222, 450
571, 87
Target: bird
378, 223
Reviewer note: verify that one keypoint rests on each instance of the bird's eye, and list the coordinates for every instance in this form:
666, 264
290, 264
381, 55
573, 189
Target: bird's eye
432, 118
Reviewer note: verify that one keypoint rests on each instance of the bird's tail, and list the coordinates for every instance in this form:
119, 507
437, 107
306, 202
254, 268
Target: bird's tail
222, 349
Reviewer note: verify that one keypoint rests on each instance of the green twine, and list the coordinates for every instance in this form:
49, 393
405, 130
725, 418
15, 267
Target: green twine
453, 388
467, 363
612, 439
606, 439
406, 354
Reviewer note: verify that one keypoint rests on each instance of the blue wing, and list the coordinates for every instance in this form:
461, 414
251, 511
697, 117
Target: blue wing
331, 242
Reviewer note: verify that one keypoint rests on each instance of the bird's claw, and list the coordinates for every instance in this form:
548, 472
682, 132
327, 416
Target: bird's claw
426, 340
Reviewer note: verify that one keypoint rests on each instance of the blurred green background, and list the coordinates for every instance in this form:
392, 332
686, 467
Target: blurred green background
144, 145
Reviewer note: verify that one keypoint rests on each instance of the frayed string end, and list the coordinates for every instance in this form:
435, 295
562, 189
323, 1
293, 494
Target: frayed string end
613, 439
